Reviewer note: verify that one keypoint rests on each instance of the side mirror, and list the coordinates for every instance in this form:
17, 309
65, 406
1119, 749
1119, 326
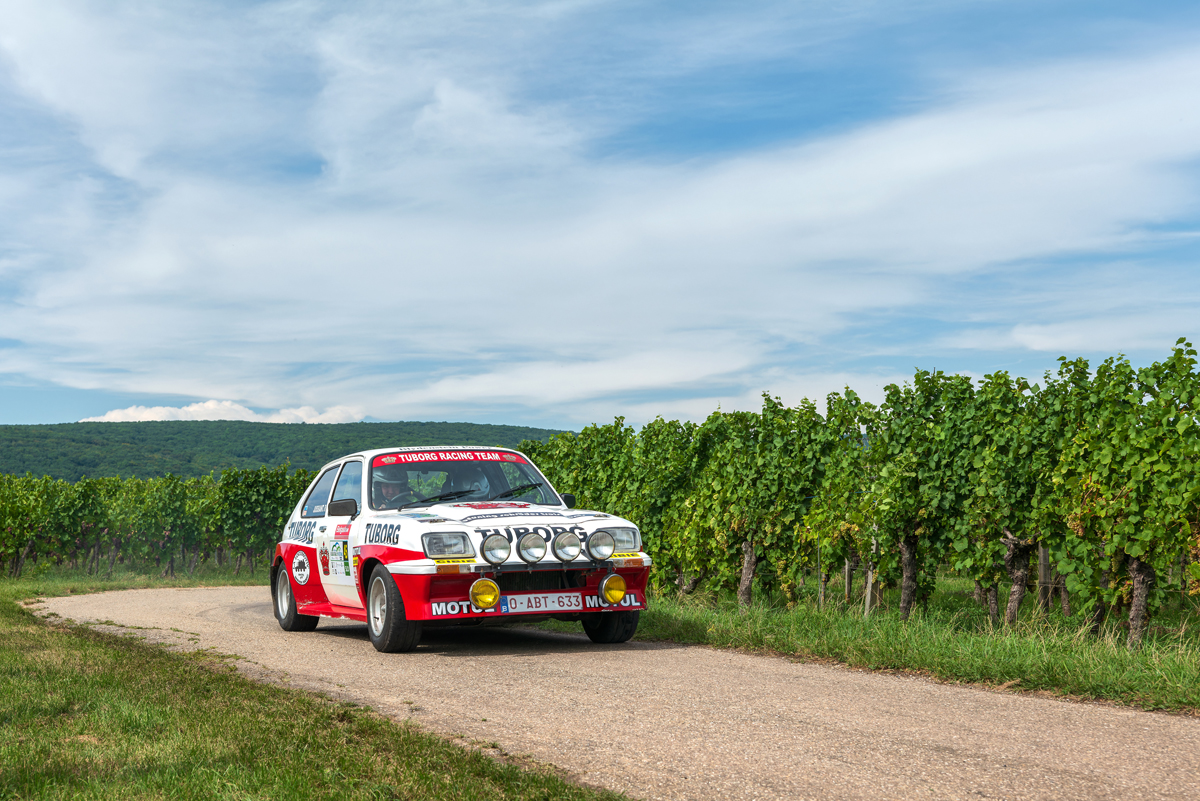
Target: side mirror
568, 499
346, 506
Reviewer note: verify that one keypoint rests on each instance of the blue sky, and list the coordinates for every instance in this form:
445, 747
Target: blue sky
555, 213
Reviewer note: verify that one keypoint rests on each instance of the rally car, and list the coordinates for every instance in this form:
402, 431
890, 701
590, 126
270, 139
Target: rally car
408, 538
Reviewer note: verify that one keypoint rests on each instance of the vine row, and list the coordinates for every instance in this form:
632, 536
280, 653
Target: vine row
1100, 468
95, 523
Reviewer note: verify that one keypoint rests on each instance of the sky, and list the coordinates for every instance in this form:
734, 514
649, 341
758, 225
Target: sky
556, 213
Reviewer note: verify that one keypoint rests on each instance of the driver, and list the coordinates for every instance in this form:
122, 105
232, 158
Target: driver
389, 483
471, 479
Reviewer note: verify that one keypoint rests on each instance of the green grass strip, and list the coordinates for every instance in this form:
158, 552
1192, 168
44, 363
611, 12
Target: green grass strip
953, 642
89, 715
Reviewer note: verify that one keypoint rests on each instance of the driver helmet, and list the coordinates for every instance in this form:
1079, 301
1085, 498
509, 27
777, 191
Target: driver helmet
471, 478
392, 474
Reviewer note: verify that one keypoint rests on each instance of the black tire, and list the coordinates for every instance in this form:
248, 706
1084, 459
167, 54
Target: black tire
284, 601
610, 627
390, 631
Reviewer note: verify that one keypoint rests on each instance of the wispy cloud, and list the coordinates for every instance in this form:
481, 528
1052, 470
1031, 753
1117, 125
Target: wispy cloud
226, 410
399, 213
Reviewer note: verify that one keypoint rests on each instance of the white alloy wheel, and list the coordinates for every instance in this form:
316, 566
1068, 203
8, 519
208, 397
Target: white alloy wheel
286, 610
283, 593
387, 625
377, 606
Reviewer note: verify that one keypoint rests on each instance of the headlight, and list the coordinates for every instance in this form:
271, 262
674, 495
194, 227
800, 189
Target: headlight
485, 593
566, 546
627, 539
600, 545
445, 544
612, 588
496, 549
531, 548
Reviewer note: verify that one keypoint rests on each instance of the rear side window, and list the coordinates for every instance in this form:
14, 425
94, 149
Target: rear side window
350, 484
318, 499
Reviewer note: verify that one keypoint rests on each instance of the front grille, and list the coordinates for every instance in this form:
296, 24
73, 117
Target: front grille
534, 580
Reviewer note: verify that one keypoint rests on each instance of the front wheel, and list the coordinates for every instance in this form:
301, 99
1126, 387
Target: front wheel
390, 631
610, 627
285, 605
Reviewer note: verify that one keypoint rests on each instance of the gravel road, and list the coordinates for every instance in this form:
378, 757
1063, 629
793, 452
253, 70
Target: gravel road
661, 721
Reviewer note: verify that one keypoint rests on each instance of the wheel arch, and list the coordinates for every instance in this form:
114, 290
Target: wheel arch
364, 576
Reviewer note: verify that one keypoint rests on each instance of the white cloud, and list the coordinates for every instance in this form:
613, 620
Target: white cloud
226, 410
463, 249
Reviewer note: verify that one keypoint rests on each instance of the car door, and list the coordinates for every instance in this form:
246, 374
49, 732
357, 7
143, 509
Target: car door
333, 554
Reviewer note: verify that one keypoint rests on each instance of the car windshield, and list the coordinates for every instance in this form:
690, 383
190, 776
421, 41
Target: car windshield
420, 478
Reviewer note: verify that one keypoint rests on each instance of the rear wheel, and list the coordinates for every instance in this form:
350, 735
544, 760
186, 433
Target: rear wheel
390, 631
285, 605
610, 627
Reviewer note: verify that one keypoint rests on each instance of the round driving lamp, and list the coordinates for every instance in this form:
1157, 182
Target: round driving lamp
485, 593
612, 588
496, 549
531, 548
600, 546
566, 546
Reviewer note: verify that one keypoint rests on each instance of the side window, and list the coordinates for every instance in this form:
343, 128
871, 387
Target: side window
350, 484
318, 499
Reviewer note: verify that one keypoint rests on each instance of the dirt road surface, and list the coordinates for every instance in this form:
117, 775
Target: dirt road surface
661, 721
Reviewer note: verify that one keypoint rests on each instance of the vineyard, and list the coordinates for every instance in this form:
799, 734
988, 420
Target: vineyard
165, 523
1097, 469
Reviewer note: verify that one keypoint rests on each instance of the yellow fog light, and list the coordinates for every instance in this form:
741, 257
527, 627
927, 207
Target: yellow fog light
612, 588
485, 593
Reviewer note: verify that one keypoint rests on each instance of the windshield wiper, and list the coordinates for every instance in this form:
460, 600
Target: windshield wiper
445, 496
516, 491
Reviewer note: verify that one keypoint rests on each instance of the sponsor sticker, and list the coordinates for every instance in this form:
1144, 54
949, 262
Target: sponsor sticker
490, 515
495, 505
301, 531
300, 569
512, 533
443, 608
339, 565
455, 561
630, 600
382, 534
323, 556
342, 532
423, 517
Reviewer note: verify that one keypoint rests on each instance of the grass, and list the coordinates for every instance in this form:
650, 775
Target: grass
955, 642
89, 715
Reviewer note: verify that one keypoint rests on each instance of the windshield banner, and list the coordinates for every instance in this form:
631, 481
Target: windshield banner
418, 457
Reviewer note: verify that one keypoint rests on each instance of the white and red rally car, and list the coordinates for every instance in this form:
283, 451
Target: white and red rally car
406, 538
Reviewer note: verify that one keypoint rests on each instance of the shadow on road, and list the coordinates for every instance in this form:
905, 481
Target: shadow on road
474, 641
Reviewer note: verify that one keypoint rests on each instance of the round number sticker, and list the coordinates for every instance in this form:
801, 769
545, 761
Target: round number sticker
300, 567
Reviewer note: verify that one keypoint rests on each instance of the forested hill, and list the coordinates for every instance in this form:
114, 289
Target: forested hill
193, 448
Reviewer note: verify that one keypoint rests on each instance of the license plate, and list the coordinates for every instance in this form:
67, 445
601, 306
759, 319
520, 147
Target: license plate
542, 602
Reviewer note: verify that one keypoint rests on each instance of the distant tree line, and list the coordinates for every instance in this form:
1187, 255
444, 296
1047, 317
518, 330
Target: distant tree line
190, 449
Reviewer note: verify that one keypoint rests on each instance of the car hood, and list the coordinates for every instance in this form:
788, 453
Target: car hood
501, 513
